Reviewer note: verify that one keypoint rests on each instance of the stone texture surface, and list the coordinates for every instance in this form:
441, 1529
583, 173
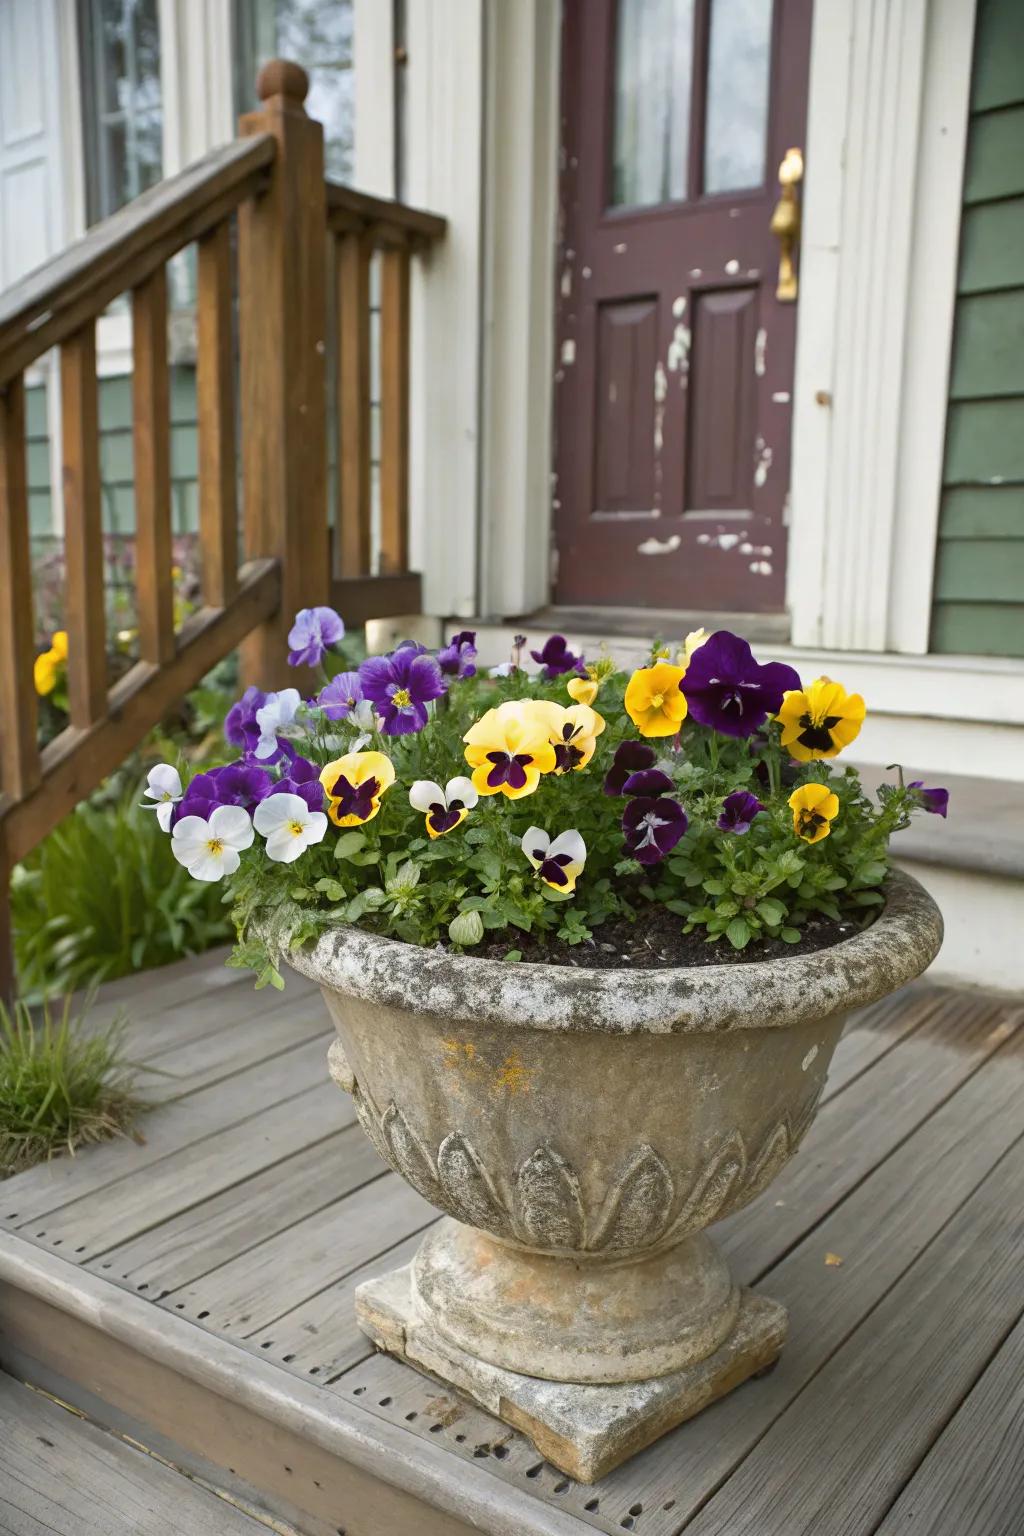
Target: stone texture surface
584, 1430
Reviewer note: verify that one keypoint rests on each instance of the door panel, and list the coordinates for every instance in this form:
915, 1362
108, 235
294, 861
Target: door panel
674, 379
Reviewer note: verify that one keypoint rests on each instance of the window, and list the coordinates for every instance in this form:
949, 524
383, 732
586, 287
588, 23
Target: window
318, 35
122, 102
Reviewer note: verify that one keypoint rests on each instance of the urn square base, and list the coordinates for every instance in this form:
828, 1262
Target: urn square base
583, 1430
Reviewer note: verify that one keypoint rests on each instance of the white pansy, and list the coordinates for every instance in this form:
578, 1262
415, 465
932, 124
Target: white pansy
559, 862
444, 808
163, 787
289, 826
274, 716
209, 849
362, 716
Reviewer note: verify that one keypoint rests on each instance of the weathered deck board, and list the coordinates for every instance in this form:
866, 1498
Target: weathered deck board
61, 1476
242, 1223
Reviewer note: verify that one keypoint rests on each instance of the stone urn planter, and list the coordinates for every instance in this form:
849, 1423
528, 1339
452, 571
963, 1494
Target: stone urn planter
581, 1129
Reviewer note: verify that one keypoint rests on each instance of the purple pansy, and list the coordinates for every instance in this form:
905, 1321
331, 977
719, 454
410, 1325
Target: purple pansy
630, 757
648, 781
302, 779
341, 696
935, 801
738, 811
728, 691
315, 632
242, 728
400, 687
651, 826
456, 659
243, 784
556, 658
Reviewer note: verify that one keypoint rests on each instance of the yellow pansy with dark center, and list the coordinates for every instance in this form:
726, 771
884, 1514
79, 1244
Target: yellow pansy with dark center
508, 749
653, 699
814, 806
820, 720
354, 785
572, 732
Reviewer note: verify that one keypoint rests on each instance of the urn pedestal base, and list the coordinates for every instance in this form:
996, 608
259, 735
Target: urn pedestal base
583, 1429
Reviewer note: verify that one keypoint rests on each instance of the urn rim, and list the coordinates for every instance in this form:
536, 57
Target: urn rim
760, 994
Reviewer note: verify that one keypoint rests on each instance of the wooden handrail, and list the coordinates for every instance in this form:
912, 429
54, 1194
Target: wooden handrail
390, 223
54, 301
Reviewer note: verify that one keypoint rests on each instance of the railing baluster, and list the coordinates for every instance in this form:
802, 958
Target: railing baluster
19, 754
83, 530
218, 495
353, 278
154, 582
394, 401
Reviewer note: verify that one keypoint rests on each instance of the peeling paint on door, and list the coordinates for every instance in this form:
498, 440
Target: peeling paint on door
763, 461
654, 546
760, 351
568, 352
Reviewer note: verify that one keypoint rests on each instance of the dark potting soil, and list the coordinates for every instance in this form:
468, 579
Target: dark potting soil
656, 939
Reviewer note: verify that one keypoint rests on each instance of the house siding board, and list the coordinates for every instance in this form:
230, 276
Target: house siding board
978, 606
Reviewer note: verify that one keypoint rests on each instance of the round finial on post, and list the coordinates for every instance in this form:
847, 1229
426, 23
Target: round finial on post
280, 77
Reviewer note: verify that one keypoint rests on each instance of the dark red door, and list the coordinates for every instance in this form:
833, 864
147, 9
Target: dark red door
674, 361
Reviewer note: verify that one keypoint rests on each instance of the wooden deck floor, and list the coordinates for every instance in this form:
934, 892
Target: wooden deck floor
254, 1206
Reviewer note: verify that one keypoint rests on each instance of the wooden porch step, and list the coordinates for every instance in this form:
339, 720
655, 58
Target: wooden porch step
61, 1475
196, 1293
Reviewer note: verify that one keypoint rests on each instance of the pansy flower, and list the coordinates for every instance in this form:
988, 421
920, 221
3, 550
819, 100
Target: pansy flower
651, 826
242, 784
457, 658
556, 659
275, 714
242, 727
654, 701
814, 806
400, 687
935, 801
819, 721
693, 642
445, 809
630, 757
738, 811
47, 666
354, 785
508, 749
302, 779
582, 690
163, 789
315, 632
559, 863
573, 733
209, 847
728, 691
289, 826
341, 696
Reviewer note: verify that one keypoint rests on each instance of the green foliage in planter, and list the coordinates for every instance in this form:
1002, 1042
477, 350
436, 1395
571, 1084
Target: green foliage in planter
62, 1085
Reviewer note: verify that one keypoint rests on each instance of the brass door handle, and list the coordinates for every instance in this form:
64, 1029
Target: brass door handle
786, 223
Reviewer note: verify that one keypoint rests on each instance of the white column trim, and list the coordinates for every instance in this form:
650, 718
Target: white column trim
521, 96
373, 44
886, 128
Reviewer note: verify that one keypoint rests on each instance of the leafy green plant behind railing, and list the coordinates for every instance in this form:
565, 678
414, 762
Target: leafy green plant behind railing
62, 1085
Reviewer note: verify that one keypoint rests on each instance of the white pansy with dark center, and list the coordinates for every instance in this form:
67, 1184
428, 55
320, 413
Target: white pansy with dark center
209, 849
447, 808
163, 787
288, 825
559, 863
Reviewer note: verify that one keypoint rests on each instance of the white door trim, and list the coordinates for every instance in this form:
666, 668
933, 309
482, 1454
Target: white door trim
886, 135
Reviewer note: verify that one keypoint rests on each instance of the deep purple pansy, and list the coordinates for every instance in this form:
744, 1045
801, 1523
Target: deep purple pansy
648, 781
341, 696
935, 801
244, 784
315, 632
738, 811
651, 826
457, 658
400, 687
630, 757
556, 658
728, 691
302, 779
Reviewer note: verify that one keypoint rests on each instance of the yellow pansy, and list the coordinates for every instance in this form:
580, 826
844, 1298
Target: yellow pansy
508, 749
814, 806
693, 642
573, 732
653, 700
583, 689
354, 785
45, 671
59, 645
820, 720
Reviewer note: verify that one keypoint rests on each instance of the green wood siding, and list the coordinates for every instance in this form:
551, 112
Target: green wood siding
979, 573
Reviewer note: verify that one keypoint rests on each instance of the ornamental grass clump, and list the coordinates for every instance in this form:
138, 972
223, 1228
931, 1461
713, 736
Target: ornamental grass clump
528, 808
61, 1085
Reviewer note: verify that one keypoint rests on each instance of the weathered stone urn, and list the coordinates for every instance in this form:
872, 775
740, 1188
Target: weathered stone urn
581, 1129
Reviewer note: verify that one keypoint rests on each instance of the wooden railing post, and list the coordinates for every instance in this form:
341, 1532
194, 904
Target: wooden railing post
282, 321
